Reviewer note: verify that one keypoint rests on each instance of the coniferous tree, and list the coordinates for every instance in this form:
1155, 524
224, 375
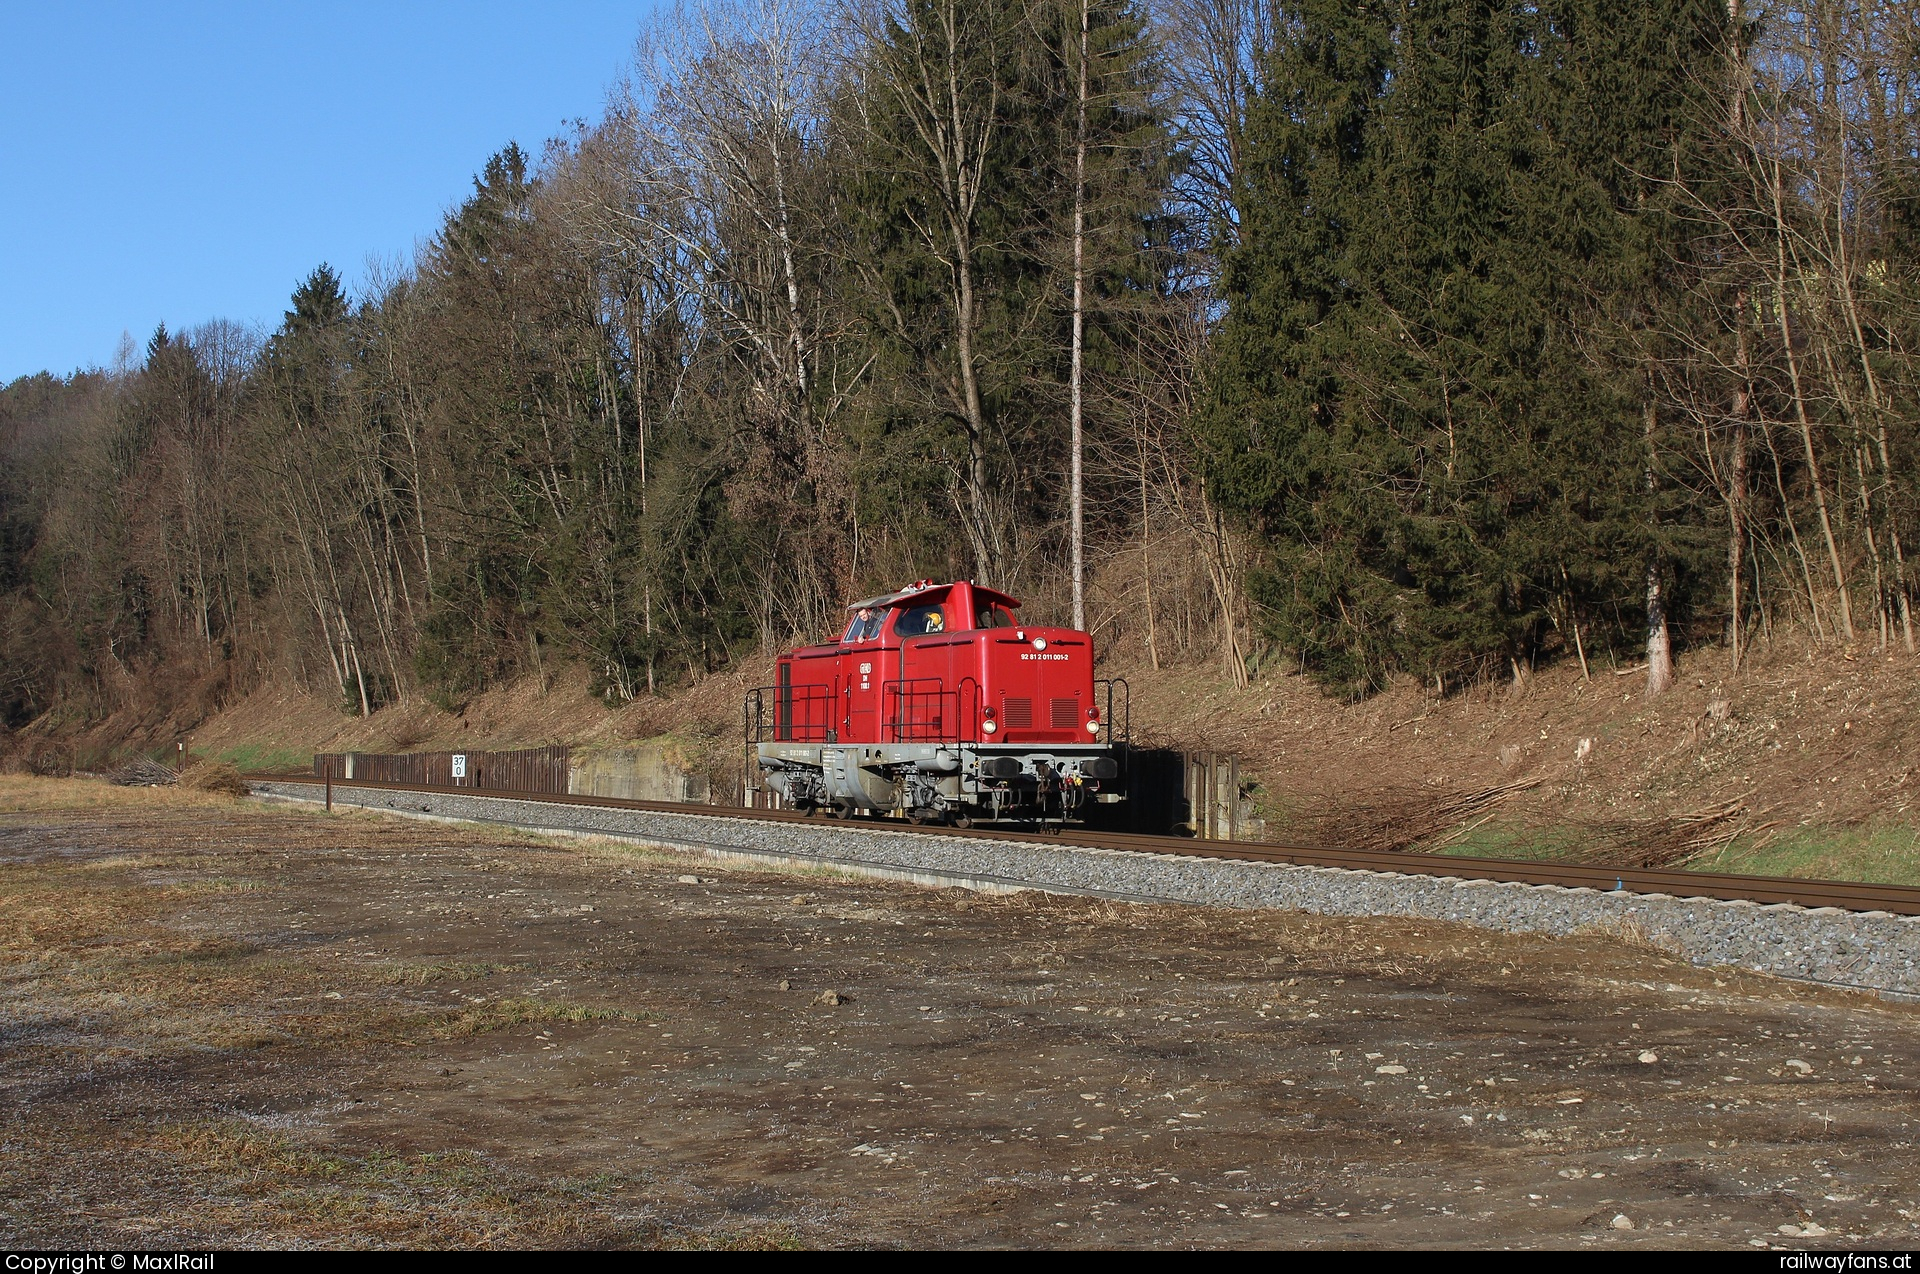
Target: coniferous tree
1406, 396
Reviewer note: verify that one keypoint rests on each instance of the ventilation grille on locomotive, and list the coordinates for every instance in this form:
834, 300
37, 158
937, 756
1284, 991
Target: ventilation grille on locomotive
1018, 713
1066, 714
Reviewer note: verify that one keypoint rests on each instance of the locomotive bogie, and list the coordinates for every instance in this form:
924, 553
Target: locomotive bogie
960, 780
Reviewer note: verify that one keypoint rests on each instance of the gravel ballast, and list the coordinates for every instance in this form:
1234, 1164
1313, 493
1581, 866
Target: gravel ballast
1873, 951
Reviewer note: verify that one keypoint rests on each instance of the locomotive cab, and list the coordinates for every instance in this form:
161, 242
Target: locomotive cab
937, 702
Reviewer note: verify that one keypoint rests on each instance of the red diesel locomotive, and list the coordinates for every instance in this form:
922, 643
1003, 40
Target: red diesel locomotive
937, 703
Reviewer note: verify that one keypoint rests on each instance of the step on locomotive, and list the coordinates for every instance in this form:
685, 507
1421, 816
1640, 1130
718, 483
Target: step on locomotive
937, 703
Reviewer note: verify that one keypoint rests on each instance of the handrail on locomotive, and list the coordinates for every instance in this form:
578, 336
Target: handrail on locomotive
801, 717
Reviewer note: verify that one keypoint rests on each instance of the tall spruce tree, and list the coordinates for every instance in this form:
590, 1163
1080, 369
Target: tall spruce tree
1443, 201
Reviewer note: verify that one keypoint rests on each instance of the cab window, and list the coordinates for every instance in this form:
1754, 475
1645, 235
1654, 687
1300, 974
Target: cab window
919, 621
994, 617
865, 626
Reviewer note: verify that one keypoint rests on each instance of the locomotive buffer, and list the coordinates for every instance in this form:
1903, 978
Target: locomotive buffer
938, 704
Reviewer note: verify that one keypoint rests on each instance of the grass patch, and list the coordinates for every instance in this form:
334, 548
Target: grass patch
1508, 841
455, 1199
457, 971
204, 951
139, 862
26, 794
1621, 929
251, 757
482, 1018
41, 912
1872, 853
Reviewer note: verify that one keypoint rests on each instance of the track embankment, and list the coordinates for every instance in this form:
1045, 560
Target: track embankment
1872, 950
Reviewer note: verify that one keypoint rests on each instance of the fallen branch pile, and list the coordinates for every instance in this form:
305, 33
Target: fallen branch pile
143, 773
1395, 821
1660, 842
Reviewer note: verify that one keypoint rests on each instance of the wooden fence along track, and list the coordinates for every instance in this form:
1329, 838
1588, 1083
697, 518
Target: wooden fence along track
1765, 890
524, 770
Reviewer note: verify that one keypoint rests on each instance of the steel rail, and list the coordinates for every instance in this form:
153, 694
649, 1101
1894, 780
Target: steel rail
1762, 890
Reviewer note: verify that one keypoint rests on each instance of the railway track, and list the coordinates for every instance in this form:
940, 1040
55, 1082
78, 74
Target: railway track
1842, 895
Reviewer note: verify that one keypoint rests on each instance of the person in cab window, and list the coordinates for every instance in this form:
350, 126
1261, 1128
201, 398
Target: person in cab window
920, 620
994, 617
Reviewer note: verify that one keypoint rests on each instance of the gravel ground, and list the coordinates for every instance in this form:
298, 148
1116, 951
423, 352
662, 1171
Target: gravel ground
1873, 951
250, 1025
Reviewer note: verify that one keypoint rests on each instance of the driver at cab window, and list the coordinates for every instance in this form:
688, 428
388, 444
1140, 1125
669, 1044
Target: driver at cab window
865, 625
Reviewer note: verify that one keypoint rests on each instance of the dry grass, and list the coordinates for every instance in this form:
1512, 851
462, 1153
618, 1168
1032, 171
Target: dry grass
217, 777
101, 936
328, 1196
495, 1015
1622, 929
533, 712
443, 971
44, 912
25, 793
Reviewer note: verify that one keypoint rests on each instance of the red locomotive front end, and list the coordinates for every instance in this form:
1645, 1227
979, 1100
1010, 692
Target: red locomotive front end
936, 702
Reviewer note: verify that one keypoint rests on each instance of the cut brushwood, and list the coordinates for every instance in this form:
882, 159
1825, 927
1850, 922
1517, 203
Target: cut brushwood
1409, 818
143, 773
1660, 842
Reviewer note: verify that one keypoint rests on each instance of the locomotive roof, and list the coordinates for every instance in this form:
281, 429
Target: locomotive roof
980, 591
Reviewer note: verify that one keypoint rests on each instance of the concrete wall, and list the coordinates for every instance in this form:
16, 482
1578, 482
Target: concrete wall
1200, 794
656, 770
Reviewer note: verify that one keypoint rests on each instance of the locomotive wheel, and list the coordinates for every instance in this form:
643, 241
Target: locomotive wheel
959, 818
842, 809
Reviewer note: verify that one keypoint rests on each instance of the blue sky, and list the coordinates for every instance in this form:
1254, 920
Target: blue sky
183, 162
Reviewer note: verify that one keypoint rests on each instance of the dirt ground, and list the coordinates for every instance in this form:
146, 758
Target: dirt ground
225, 1023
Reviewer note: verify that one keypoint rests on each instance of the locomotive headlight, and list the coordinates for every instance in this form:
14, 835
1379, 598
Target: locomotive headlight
1039, 643
989, 727
1093, 727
